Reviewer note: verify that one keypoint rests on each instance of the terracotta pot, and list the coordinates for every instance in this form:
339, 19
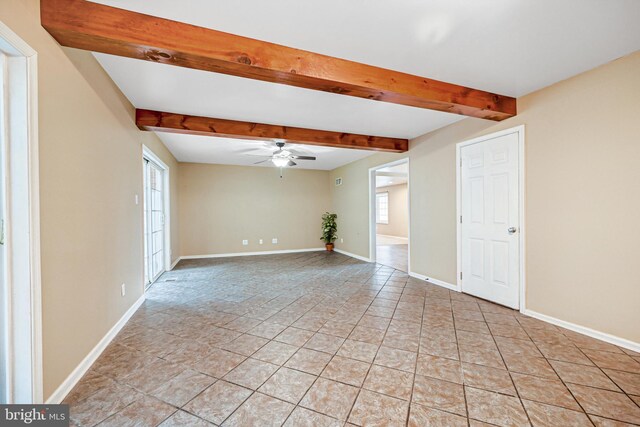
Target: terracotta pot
329, 247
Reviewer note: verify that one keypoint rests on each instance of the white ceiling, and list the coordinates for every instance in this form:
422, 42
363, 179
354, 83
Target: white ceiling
512, 47
230, 151
392, 175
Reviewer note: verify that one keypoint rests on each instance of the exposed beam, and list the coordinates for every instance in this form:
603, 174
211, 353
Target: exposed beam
194, 125
99, 28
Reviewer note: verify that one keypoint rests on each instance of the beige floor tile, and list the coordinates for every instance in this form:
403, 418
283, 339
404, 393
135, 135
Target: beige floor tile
218, 363
552, 416
396, 359
401, 341
440, 368
358, 350
486, 378
338, 329
182, 388
275, 352
184, 419
536, 366
288, 385
564, 353
391, 382
584, 375
627, 381
606, 403
373, 409
144, 411
245, 345
438, 394
301, 417
544, 390
370, 335
330, 398
217, 402
268, 330
294, 336
260, 410
325, 343
421, 416
251, 373
310, 361
348, 371
617, 361
102, 404
495, 408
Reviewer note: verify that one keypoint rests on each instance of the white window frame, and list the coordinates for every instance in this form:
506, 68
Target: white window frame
382, 195
21, 311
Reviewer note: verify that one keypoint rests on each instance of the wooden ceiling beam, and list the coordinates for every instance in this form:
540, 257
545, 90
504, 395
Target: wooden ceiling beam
193, 125
91, 26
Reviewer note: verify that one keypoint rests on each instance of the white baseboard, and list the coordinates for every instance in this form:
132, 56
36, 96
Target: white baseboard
75, 376
611, 339
228, 255
361, 258
434, 281
174, 263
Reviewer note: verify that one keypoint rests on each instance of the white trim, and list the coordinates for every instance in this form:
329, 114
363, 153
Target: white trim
166, 195
522, 226
25, 299
433, 281
361, 258
75, 376
235, 254
372, 209
611, 339
174, 263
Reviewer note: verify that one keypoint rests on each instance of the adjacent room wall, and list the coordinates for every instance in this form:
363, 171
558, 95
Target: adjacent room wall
221, 205
90, 172
582, 198
398, 225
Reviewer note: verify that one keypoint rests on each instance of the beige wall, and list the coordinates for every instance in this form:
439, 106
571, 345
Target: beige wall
90, 172
398, 211
582, 198
222, 205
351, 201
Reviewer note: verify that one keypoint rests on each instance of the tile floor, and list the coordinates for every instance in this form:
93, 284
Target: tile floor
395, 255
320, 339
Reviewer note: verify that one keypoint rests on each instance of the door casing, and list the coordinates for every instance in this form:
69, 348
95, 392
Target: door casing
520, 130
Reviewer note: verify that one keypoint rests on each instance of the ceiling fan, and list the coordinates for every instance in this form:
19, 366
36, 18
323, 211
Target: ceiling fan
282, 157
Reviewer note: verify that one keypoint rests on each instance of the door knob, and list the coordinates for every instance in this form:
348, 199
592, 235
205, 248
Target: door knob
512, 230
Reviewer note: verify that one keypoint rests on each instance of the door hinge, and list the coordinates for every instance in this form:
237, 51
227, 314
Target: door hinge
461, 275
460, 161
2, 232
460, 219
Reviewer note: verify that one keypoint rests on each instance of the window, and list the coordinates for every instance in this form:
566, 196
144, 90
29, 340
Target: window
382, 208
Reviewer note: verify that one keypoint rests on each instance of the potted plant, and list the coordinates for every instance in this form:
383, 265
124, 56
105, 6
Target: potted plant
329, 230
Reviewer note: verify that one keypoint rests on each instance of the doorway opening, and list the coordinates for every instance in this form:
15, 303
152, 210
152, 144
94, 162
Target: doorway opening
389, 222
157, 233
20, 307
490, 217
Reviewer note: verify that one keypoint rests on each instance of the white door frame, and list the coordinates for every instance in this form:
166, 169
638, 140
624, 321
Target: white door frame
372, 208
521, 190
166, 196
22, 308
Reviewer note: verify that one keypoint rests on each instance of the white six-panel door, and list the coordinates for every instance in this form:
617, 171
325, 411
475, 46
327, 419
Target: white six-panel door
489, 223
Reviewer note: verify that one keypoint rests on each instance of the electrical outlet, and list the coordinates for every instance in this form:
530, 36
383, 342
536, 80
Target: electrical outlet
274, 240
245, 242
260, 241
123, 289
137, 199
341, 240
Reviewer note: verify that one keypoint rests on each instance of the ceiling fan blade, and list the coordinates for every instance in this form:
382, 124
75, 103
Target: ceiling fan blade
261, 161
291, 163
303, 157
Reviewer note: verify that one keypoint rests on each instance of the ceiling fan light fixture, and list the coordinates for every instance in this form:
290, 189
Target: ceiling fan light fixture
280, 161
